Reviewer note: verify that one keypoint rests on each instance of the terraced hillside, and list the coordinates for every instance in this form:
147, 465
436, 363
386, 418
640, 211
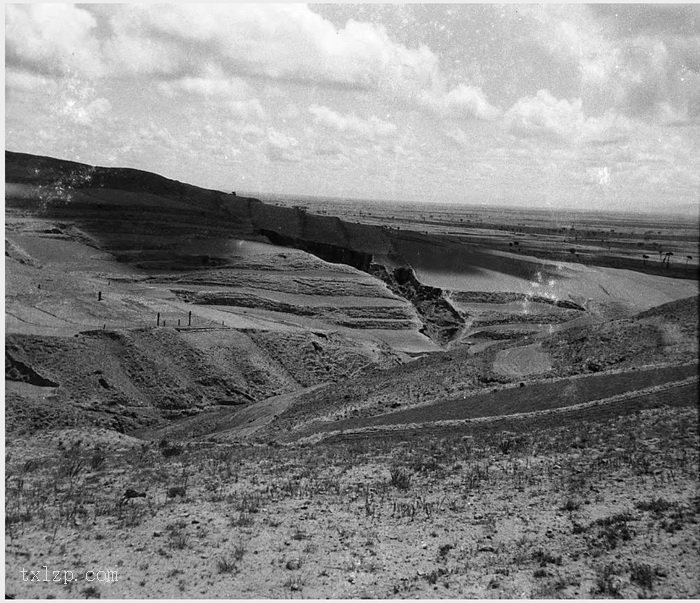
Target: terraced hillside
418, 392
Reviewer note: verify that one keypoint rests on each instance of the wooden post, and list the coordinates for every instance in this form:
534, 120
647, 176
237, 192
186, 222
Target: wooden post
99, 296
189, 318
178, 322
158, 320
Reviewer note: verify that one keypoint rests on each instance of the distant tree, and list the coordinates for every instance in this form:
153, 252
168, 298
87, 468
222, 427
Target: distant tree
646, 257
572, 250
687, 259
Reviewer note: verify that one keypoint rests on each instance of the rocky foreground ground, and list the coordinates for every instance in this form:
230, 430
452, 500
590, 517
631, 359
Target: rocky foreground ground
598, 508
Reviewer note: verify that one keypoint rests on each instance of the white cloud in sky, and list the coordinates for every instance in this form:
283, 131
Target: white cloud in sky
562, 120
249, 110
209, 87
351, 124
282, 147
413, 90
462, 101
24, 81
86, 115
52, 38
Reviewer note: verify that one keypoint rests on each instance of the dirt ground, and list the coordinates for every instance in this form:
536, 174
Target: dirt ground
595, 509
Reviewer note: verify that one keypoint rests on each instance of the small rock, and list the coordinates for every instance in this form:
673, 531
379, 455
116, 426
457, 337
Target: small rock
293, 564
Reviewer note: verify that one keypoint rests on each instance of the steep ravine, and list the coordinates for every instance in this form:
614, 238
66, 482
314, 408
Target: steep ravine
441, 321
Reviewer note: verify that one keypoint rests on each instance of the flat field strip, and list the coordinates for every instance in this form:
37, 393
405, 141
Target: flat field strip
685, 394
535, 397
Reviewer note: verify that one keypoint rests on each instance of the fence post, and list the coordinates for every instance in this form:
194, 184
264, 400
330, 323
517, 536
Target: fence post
158, 320
189, 318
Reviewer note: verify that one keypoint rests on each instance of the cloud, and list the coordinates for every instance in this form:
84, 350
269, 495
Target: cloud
281, 147
274, 41
640, 61
215, 86
23, 81
351, 124
461, 102
544, 116
52, 39
250, 110
86, 115
457, 136
201, 49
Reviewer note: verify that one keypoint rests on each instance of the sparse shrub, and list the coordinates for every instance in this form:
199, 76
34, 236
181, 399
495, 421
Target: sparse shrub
432, 577
174, 491
613, 530
91, 592
72, 462
98, 459
444, 549
506, 445
242, 520
177, 535
643, 574
570, 505
169, 450
608, 582
545, 557
229, 565
676, 517
300, 534
295, 582
400, 479
657, 506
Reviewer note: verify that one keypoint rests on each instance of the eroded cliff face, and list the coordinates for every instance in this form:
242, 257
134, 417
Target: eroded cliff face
441, 321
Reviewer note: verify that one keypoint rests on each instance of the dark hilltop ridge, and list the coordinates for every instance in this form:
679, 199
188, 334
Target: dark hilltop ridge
148, 230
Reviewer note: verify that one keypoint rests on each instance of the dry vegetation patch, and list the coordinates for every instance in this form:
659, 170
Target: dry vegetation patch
601, 508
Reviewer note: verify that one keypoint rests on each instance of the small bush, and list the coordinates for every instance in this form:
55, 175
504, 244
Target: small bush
607, 582
226, 566
506, 445
643, 574
444, 549
571, 504
657, 506
242, 520
613, 530
545, 557
400, 479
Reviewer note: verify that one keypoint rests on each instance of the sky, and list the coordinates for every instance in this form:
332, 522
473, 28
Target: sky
560, 106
